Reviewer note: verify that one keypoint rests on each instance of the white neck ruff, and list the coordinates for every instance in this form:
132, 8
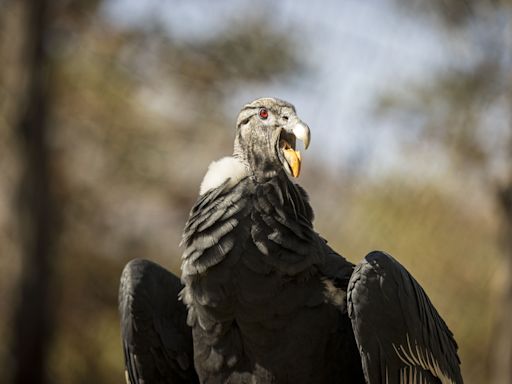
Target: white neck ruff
221, 170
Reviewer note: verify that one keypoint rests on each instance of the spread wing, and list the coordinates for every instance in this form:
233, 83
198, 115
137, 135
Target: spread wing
157, 342
400, 335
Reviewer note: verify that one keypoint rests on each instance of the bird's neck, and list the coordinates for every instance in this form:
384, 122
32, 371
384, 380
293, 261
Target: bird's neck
259, 156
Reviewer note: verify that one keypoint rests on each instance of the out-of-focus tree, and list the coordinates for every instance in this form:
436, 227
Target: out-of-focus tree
36, 207
467, 111
131, 115
132, 112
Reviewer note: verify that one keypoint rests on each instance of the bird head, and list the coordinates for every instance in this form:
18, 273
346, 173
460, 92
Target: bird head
267, 131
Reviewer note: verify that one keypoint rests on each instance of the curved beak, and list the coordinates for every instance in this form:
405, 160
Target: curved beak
300, 131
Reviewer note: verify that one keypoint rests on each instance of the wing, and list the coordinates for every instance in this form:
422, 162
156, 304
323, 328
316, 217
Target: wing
208, 236
400, 335
157, 342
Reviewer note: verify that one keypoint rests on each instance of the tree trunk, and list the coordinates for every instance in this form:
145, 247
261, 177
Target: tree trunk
36, 216
502, 346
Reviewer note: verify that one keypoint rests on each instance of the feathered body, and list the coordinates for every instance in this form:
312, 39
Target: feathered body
256, 290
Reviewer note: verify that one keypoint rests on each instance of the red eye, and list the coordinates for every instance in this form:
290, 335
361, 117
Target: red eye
263, 113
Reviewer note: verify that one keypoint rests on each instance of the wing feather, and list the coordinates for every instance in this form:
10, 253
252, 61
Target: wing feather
208, 236
397, 327
157, 343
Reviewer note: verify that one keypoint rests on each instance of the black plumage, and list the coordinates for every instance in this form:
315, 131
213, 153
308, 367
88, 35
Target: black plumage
399, 332
267, 300
157, 343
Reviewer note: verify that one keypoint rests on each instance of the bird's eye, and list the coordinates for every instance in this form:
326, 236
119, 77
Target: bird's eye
263, 113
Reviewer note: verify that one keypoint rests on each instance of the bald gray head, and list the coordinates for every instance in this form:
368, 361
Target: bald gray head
267, 130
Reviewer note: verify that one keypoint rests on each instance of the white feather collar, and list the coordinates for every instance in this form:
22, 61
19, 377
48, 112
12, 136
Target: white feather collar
221, 170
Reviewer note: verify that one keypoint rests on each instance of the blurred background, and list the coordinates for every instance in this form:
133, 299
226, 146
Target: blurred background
111, 111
